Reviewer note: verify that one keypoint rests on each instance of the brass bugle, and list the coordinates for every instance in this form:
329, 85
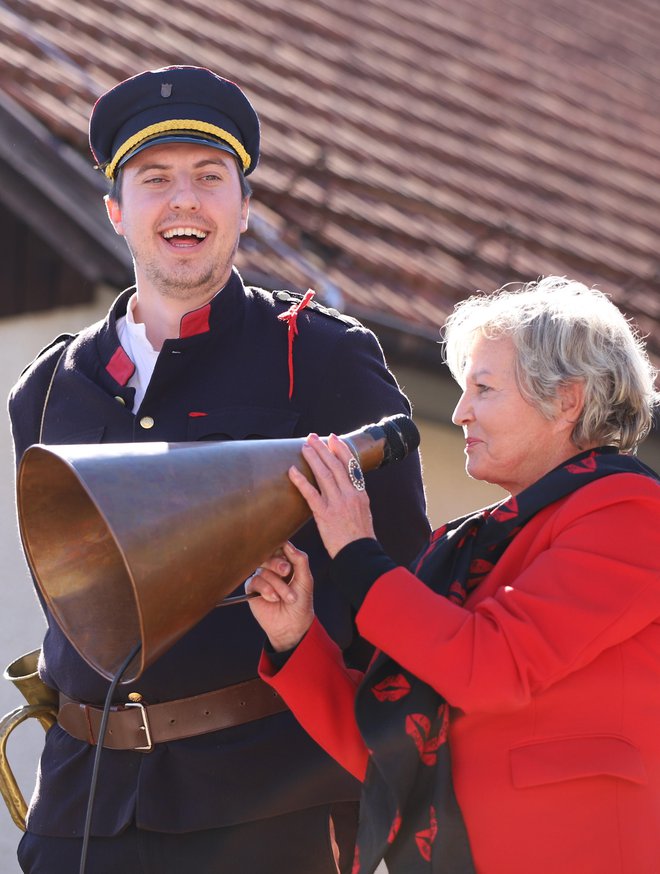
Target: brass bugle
134, 543
42, 704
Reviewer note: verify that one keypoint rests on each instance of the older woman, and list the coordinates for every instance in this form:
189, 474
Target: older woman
510, 722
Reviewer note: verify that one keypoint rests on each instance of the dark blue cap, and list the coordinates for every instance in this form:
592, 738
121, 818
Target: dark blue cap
173, 104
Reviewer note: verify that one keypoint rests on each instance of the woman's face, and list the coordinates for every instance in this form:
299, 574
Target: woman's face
508, 442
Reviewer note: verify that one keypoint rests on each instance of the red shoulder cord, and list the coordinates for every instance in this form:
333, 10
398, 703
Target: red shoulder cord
291, 317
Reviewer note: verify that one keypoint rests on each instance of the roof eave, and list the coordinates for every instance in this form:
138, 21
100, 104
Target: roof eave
51, 188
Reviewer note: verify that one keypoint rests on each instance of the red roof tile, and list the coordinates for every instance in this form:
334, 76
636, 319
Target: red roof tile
412, 151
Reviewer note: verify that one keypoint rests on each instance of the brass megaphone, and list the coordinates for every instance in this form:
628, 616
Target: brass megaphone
42, 704
108, 530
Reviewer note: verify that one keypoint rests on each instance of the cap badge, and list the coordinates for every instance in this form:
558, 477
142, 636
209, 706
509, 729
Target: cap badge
166, 89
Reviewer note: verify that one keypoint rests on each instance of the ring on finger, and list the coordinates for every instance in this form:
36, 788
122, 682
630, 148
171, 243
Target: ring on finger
355, 474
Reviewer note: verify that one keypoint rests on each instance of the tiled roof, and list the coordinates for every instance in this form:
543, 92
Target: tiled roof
413, 151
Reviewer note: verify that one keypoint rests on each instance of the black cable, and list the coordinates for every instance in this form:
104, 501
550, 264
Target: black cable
97, 755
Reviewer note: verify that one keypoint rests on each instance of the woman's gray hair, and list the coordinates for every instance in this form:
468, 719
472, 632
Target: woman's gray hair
564, 332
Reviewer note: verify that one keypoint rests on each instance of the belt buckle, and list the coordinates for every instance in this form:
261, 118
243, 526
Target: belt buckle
144, 727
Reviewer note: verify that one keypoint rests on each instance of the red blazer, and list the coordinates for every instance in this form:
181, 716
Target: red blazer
552, 669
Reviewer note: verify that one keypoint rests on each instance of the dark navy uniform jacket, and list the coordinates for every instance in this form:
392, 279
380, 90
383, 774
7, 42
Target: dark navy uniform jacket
225, 378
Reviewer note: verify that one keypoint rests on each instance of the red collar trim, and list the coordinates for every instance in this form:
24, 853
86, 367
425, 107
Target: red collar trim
120, 367
196, 322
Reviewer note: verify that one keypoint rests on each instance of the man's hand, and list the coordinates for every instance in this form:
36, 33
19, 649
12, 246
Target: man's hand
285, 609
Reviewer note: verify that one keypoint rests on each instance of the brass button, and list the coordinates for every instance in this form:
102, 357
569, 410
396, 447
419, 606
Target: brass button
121, 400
147, 422
134, 697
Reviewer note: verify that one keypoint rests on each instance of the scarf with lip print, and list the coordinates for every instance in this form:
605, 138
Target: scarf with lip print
409, 815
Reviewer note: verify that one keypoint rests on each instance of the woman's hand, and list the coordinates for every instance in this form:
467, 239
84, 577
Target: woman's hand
341, 509
285, 609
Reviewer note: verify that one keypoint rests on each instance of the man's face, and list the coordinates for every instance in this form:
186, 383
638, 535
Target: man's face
181, 215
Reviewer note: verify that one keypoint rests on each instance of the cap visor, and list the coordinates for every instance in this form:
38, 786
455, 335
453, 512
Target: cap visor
178, 138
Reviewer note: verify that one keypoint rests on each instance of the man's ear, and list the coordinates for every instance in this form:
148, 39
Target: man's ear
245, 213
114, 214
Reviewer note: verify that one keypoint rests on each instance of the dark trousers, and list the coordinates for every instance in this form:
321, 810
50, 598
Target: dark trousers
297, 843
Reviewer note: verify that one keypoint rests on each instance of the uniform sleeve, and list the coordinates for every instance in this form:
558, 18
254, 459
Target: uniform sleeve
360, 390
320, 691
596, 585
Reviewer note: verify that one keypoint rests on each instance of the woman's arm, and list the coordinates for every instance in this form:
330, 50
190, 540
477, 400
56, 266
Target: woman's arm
320, 691
313, 681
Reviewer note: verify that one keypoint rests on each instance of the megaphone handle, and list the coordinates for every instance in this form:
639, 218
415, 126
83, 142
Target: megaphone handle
238, 599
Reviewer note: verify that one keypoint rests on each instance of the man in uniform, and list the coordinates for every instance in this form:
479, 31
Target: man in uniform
190, 353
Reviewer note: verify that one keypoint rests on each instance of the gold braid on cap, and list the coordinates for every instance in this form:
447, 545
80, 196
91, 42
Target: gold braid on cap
178, 124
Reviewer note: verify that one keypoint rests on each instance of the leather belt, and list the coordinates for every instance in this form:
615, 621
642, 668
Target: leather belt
139, 726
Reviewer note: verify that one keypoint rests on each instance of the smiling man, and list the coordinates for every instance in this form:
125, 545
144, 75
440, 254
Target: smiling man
189, 353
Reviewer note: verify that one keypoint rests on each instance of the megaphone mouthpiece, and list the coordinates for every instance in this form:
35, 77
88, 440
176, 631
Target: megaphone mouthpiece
396, 436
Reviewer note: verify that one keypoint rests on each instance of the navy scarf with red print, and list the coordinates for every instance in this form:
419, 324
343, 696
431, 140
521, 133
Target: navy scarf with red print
409, 815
